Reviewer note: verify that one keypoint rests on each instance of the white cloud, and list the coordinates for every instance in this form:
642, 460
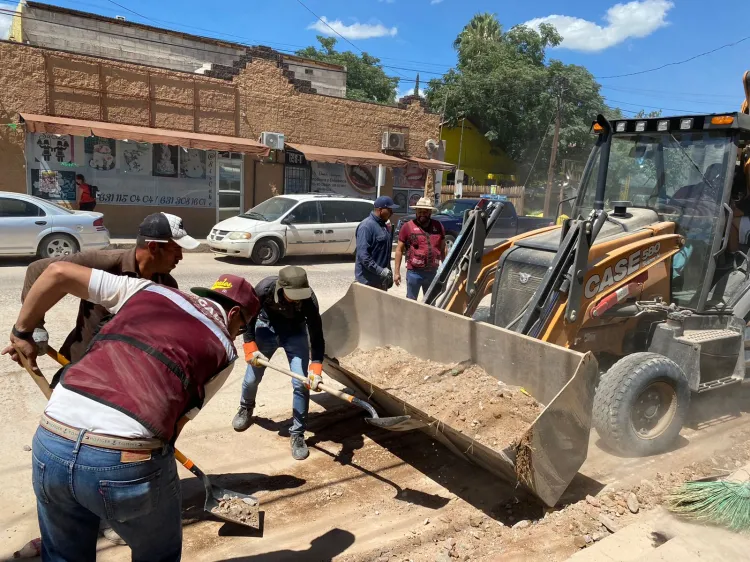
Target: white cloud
5, 21
623, 21
433, 2
353, 31
408, 91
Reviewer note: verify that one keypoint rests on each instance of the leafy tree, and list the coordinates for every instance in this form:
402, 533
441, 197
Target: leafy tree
365, 78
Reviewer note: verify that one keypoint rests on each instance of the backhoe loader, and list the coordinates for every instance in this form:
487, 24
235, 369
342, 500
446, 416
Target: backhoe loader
651, 275
613, 318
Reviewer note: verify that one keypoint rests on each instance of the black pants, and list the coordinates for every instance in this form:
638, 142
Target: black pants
87, 206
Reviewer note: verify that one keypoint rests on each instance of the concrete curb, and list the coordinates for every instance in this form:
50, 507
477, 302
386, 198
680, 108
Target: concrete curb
126, 244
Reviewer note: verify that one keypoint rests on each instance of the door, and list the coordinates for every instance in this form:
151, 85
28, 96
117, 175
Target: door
229, 185
304, 233
338, 230
21, 223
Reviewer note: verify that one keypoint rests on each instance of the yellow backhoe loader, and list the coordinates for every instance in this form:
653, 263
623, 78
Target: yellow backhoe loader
650, 277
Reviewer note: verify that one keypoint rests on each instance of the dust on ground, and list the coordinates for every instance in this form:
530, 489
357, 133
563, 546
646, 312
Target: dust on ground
462, 395
242, 510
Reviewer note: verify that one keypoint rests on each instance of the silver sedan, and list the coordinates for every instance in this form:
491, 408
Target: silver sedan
33, 226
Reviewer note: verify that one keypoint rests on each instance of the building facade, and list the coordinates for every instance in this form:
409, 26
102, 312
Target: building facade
181, 134
470, 150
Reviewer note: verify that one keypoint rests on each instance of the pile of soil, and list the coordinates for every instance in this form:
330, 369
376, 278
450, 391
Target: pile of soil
242, 510
462, 396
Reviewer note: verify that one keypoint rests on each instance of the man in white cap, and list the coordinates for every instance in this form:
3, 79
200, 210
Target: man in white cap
423, 238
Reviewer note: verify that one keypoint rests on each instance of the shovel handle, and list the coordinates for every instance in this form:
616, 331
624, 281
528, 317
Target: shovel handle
330, 390
35, 373
57, 356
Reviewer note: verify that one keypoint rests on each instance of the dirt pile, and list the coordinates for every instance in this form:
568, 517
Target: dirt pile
242, 510
462, 395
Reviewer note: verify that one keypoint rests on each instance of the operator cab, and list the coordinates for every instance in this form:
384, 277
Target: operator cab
681, 170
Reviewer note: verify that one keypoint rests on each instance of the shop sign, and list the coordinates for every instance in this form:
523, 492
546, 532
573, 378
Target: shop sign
295, 158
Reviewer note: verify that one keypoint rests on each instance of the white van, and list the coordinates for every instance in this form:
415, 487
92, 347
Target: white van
310, 224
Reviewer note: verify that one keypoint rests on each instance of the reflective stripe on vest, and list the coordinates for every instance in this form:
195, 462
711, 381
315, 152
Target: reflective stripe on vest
152, 360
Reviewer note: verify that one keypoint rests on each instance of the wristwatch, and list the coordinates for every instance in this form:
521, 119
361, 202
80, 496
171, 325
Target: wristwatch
22, 335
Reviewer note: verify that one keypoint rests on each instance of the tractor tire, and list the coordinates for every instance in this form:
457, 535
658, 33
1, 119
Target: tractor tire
266, 252
641, 404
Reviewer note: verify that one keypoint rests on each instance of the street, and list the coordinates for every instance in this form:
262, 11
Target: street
363, 494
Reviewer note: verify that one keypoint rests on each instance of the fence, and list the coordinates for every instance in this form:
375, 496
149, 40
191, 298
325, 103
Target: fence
514, 193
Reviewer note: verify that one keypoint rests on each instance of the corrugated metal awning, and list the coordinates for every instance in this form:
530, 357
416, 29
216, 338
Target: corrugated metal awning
437, 165
81, 127
346, 156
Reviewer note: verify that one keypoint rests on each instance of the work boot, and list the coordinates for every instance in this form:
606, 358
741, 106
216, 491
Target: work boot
243, 419
299, 447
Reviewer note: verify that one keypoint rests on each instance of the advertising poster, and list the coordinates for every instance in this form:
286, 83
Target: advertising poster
356, 181
53, 185
165, 160
134, 158
193, 163
401, 198
52, 149
412, 176
100, 153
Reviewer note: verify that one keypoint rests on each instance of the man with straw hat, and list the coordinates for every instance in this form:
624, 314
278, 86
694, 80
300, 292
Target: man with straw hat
423, 238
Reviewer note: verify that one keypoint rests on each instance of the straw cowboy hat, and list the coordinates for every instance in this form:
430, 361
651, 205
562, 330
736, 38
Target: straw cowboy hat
424, 203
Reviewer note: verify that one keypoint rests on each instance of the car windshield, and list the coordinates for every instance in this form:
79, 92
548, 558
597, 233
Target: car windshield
271, 209
455, 207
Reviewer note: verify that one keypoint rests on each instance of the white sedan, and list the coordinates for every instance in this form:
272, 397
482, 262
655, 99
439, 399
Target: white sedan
33, 226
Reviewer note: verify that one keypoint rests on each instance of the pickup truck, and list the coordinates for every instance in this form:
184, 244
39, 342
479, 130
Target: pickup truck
451, 215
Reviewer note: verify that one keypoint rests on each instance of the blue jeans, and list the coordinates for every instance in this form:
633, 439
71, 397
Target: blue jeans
297, 348
78, 485
418, 279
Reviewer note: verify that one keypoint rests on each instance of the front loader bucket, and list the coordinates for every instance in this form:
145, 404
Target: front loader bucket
547, 455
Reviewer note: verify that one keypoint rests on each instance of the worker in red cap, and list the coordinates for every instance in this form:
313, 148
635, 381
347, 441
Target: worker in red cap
105, 445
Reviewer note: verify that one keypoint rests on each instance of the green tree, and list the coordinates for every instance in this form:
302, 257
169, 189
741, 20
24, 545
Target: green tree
365, 78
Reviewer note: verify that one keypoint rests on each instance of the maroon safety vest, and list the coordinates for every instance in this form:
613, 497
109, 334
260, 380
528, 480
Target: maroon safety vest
423, 246
152, 360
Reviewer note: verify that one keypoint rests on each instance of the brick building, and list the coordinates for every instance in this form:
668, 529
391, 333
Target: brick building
172, 122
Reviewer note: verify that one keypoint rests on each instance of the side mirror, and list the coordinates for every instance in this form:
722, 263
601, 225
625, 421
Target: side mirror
287, 219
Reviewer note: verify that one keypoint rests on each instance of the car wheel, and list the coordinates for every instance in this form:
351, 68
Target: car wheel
449, 241
266, 252
57, 245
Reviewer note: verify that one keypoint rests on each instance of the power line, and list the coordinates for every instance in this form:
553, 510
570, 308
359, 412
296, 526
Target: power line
652, 106
131, 11
675, 63
670, 93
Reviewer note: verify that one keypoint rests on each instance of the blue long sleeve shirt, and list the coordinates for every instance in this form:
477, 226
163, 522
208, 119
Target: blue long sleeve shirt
374, 242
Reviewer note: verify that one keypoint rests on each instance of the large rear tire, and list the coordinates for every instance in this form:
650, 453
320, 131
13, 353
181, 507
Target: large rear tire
641, 404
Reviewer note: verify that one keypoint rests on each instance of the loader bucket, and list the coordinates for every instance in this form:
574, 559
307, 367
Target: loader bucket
547, 455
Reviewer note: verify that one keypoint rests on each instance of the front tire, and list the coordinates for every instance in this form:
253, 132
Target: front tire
57, 245
641, 404
266, 252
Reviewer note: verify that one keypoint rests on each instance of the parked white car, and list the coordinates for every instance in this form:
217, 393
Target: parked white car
286, 225
30, 225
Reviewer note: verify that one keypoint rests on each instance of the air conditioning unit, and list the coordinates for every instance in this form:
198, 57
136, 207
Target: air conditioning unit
394, 141
272, 140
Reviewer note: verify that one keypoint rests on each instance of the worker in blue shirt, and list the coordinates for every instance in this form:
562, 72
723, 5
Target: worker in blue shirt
374, 243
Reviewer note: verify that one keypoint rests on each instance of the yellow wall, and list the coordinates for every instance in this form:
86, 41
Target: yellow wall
478, 158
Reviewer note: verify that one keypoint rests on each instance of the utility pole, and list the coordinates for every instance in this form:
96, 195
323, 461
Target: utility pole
553, 156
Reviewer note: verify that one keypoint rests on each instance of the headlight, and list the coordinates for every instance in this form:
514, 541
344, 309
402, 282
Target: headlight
239, 236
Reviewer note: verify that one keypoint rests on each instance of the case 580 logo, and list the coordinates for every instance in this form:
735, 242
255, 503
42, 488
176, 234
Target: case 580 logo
619, 271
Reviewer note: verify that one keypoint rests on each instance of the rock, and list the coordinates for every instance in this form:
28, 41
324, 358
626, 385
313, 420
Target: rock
475, 520
610, 525
607, 501
588, 538
450, 543
26, 448
633, 505
475, 534
377, 513
443, 557
579, 542
523, 524
427, 521
592, 501
620, 510
598, 536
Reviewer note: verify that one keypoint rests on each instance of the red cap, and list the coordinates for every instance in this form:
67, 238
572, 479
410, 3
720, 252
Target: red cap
235, 288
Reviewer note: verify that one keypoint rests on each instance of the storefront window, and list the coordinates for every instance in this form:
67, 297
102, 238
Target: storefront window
125, 172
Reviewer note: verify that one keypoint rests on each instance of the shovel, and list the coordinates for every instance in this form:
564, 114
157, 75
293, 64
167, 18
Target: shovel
395, 423
224, 504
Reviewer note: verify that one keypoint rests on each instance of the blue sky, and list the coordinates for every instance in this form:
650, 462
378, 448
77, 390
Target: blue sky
606, 37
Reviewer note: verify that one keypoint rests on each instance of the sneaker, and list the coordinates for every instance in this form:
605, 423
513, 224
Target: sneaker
299, 447
243, 419
111, 536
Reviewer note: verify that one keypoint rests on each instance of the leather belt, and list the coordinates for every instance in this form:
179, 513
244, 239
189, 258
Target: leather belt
98, 439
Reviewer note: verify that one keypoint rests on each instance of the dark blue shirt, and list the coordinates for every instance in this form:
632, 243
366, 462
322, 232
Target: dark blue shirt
374, 243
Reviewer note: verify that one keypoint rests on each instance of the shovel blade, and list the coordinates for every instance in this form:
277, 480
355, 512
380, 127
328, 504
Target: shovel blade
247, 513
396, 423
